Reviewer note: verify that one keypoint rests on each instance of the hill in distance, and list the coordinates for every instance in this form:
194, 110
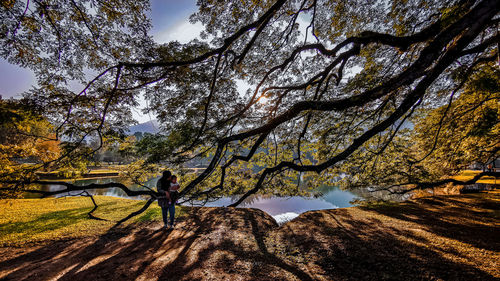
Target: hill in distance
151, 127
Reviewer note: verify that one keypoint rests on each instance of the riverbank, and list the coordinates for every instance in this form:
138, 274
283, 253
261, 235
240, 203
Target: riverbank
70, 176
108, 171
438, 238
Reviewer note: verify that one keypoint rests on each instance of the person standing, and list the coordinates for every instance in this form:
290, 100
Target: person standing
163, 187
172, 198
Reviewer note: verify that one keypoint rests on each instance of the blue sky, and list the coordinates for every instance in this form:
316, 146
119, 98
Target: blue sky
170, 20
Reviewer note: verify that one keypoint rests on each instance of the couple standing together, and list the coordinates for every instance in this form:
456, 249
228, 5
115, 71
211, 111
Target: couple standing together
168, 188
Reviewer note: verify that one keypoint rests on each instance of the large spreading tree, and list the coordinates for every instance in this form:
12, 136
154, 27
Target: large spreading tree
334, 87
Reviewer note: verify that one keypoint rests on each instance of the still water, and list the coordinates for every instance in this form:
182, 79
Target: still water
281, 208
286, 208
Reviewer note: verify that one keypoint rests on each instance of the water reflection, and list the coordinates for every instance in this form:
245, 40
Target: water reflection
333, 198
281, 208
115, 192
286, 208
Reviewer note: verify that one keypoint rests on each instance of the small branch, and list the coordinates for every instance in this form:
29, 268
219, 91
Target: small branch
138, 212
207, 105
94, 37
95, 207
70, 107
52, 23
445, 113
21, 19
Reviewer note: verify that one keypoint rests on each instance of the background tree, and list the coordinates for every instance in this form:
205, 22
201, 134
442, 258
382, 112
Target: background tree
445, 140
469, 127
27, 142
340, 83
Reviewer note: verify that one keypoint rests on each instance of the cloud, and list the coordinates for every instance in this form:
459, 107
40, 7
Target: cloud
183, 32
285, 217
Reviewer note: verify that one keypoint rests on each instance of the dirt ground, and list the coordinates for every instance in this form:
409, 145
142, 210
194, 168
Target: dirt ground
439, 238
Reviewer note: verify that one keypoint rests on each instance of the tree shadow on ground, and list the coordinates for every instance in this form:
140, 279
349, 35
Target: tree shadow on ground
220, 242
418, 241
415, 242
73, 259
466, 218
234, 247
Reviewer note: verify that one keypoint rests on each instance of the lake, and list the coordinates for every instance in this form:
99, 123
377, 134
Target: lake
281, 208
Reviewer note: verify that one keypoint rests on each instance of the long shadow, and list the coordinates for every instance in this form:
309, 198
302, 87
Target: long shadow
127, 253
348, 248
238, 258
273, 259
132, 258
472, 223
74, 260
228, 242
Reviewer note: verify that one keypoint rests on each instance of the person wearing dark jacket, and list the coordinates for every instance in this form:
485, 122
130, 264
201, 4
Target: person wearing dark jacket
163, 187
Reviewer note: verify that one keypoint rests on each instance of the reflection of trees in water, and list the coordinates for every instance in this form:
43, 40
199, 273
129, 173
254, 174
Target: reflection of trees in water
251, 199
363, 194
369, 194
115, 192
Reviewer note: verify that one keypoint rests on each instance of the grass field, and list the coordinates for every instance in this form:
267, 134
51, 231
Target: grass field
34, 220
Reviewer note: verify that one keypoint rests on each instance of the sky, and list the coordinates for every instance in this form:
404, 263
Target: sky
170, 22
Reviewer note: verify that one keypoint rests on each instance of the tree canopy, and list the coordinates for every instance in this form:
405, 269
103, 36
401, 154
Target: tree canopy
333, 84
27, 136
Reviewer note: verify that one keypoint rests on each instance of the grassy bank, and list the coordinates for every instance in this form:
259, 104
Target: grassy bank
34, 220
77, 175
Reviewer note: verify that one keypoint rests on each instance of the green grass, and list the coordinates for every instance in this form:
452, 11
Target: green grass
37, 220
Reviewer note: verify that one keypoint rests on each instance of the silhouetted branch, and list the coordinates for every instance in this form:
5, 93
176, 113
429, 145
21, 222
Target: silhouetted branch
69, 187
95, 207
432, 184
136, 213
